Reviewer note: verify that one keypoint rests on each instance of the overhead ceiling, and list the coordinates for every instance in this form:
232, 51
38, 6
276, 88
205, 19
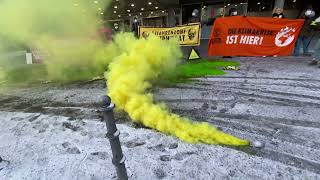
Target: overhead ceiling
125, 8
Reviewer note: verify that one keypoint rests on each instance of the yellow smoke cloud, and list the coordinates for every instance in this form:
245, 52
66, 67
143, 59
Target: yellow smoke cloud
140, 62
63, 30
29, 20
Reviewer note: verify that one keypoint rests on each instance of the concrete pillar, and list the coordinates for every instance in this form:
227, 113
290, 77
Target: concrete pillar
171, 18
279, 3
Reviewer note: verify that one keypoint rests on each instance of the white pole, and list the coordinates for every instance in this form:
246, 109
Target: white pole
29, 58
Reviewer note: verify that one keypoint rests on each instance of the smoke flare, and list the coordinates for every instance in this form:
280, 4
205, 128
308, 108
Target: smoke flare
64, 29
141, 61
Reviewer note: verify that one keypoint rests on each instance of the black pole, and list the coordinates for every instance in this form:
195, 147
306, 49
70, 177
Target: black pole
113, 135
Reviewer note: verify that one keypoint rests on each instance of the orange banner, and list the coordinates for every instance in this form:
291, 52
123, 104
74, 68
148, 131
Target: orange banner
253, 36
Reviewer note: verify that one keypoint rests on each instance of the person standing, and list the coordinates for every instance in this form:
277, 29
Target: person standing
233, 12
316, 54
306, 33
278, 13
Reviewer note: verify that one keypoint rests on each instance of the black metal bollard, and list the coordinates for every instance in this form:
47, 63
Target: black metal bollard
113, 135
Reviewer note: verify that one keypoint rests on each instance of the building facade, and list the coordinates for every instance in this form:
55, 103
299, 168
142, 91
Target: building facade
129, 14
166, 13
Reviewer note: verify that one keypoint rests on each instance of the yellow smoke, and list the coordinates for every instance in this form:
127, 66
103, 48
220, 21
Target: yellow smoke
64, 31
140, 62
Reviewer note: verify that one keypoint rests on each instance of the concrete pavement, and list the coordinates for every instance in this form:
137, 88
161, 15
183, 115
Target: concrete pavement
273, 100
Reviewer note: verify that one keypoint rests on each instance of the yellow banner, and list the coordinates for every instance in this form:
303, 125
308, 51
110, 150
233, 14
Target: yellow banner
187, 35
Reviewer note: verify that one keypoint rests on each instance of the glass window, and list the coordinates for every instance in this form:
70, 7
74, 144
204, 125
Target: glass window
210, 12
240, 7
293, 4
191, 13
260, 5
293, 8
